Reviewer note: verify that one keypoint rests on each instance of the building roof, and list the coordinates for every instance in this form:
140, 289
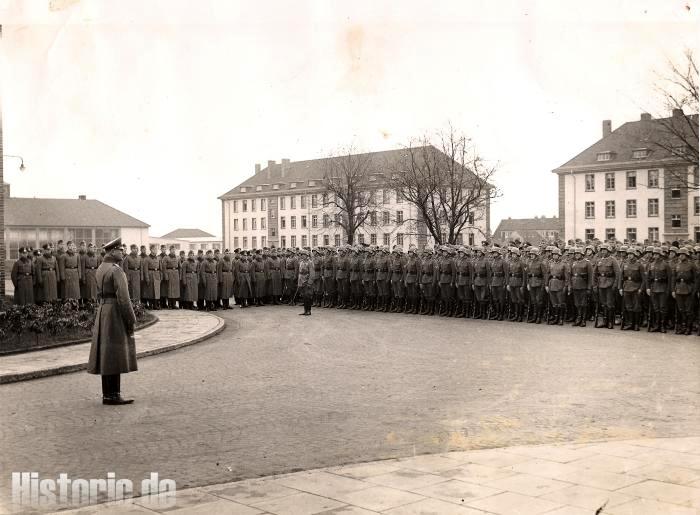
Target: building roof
55, 212
188, 233
529, 224
641, 134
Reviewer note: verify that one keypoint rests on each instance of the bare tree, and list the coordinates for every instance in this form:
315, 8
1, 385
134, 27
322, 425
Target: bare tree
677, 136
348, 177
448, 182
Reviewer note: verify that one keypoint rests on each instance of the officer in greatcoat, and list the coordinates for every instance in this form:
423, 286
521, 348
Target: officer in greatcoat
398, 291
244, 279
275, 285
23, 278
113, 349
606, 276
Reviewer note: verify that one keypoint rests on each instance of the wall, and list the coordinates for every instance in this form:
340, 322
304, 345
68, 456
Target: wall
136, 235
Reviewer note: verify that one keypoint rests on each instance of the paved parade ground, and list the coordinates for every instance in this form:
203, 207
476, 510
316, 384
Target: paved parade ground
276, 393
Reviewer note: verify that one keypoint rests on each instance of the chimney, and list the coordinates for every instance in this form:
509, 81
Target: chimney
257, 168
678, 113
645, 117
607, 128
285, 166
82, 197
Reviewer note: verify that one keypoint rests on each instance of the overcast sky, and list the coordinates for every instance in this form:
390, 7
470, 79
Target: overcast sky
159, 107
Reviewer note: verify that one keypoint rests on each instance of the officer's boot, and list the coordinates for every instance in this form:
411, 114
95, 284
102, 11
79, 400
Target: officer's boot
679, 323
662, 321
555, 319
583, 317
688, 323
577, 322
627, 321
611, 318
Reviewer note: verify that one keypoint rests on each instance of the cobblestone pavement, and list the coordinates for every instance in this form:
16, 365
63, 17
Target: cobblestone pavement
277, 393
635, 477
173, 330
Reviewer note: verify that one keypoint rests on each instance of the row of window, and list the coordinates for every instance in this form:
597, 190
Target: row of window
314, 200
631, 234
37, 236
630, 180
253, 224
631, 208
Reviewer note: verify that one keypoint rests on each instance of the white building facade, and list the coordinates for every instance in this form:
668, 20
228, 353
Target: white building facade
621, 188
286, 205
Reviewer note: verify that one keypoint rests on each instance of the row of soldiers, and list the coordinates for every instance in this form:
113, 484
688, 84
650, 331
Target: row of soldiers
164, 280
641, 287
655, 286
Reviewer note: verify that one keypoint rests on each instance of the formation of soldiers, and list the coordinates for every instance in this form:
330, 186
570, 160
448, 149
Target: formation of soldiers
656, 287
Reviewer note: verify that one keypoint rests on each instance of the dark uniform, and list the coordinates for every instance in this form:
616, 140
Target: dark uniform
517, 272
463, 282
581, 285
684, 279
23, 279
606, 276
658, 289
632, 284
557, 278
498, 273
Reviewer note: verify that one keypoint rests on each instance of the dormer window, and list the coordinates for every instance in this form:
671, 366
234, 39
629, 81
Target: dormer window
275, 186
258, 188
312, 183
243, 189
640, 153
604, 156
372, 178
293, 185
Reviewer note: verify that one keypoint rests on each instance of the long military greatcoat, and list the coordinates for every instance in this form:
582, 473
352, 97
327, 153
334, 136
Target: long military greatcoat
225, 276
113, 349
88, 275
152, 277
71, 276
209, 279
171, 271
190, 280
46, 275
23, 281
132, 267
275, 277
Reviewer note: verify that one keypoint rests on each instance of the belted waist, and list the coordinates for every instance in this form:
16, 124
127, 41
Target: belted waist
605, 274
135, 269
680, 280
516, 275
91, 268
210, 273
71, 268
411, 273
190, 272
480, 274
171, 268
535, 275
47, 269
108, 300
580, 275
25, 273
498, 274
559, 277
108, 296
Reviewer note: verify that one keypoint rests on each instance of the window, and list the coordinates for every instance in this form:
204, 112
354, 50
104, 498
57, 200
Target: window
293, 222
385, 218
303, 201
263, 223
245, 224
314, 201
235, 206
304, 240
460, 239
471, 238
609, 209
293, 202
235, 224
283, 241
372, 239
281, 202
326, 240
361, 238
17, 238
245, 242
235, 242
399, 239
314, 221
293, 241
399, 217
631, 208
263, 241
697, 234
243, 189
386, 196
272, 214
387, 239
653, 234
283, 222
589, 234
273, 232
653, 207
373, 218
275, 186
604, 156
609, 234
589, 209
653, 179
293, 185
303, 221
244, 204
676, 193
696, 204
610, 181
253, 203
102, 235
675, 221
337, 218
470, 219
326, 221
631, 180
262, 204
254, 242
399, 196
631, 234
640, 153
314, 241
324, 199
336, 240
254, 224
590, 182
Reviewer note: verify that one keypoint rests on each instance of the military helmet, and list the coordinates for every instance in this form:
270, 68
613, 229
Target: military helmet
683, 250
555, 250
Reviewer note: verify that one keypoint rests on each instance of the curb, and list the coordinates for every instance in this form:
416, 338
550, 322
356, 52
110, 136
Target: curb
67, 369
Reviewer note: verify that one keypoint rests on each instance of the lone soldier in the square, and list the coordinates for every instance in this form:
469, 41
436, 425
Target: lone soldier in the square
113, 349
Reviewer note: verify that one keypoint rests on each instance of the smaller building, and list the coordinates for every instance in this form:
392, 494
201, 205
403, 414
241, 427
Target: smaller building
188, 239
35, 221
533, 230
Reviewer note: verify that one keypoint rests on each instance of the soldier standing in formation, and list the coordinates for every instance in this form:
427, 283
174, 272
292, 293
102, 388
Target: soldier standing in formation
305, 280
23, 278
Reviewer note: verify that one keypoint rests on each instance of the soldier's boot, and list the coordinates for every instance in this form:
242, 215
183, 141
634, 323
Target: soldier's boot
679, 324
425, 308
628, 321
583, 317
662, 322
577, 322
538, 314
688, 323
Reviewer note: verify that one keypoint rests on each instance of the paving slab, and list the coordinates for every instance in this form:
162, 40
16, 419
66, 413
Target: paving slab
173, 330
